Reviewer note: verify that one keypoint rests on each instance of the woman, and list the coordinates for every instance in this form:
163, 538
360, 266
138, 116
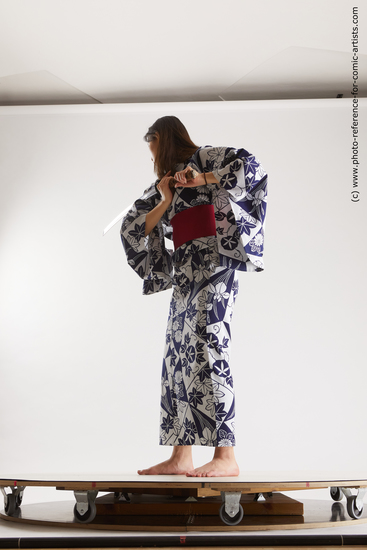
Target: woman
216, 218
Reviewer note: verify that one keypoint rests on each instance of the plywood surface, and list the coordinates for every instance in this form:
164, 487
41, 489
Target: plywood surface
285, 476
250, 482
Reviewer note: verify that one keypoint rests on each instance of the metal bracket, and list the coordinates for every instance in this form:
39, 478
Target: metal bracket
359, 498
5, 496
14, 490
119, 496
83, 498
231, 501
262, 496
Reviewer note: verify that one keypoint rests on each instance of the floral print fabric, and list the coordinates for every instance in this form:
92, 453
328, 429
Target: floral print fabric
197, 401
240, 202
197, 397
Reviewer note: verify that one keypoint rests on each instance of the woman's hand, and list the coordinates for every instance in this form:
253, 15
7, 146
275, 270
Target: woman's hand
184, 182
164, 189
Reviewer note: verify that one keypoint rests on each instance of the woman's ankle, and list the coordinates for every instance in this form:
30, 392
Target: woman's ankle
224, 453
182, 452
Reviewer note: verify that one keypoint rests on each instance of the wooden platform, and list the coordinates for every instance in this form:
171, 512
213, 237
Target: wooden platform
247, 482
180, 503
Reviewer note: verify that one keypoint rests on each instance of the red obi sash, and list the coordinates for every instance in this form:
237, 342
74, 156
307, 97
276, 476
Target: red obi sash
193, 223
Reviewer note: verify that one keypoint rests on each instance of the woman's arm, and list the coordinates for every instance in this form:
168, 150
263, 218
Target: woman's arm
210, 177
153, 217
196, 182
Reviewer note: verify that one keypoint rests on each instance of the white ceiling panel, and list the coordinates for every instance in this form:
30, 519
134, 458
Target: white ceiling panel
300, 73
39, 87
127, 51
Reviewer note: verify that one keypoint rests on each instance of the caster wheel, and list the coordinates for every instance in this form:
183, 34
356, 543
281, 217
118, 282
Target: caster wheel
336, 493
227, 519
352, 508
89, 515
11, 505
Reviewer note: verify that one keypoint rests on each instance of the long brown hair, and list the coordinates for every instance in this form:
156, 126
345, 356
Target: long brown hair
174, 145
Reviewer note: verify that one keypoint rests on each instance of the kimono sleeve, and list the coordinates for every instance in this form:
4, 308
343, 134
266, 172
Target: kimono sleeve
167, 227
240, 173
240, 202
147, 255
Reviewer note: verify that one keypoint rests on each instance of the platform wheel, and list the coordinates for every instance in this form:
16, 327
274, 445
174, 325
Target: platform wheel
336, 493
227, 519
89, 515
352, 507
11, 504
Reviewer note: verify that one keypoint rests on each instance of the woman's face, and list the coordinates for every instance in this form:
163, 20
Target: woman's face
153, 146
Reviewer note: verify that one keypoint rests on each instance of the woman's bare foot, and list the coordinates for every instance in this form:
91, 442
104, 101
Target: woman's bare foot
223, 464
179, 463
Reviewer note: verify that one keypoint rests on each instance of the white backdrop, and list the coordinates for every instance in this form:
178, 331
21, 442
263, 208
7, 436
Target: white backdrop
81, 348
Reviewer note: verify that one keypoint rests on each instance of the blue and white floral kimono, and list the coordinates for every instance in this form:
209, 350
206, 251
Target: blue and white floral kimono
197, 398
